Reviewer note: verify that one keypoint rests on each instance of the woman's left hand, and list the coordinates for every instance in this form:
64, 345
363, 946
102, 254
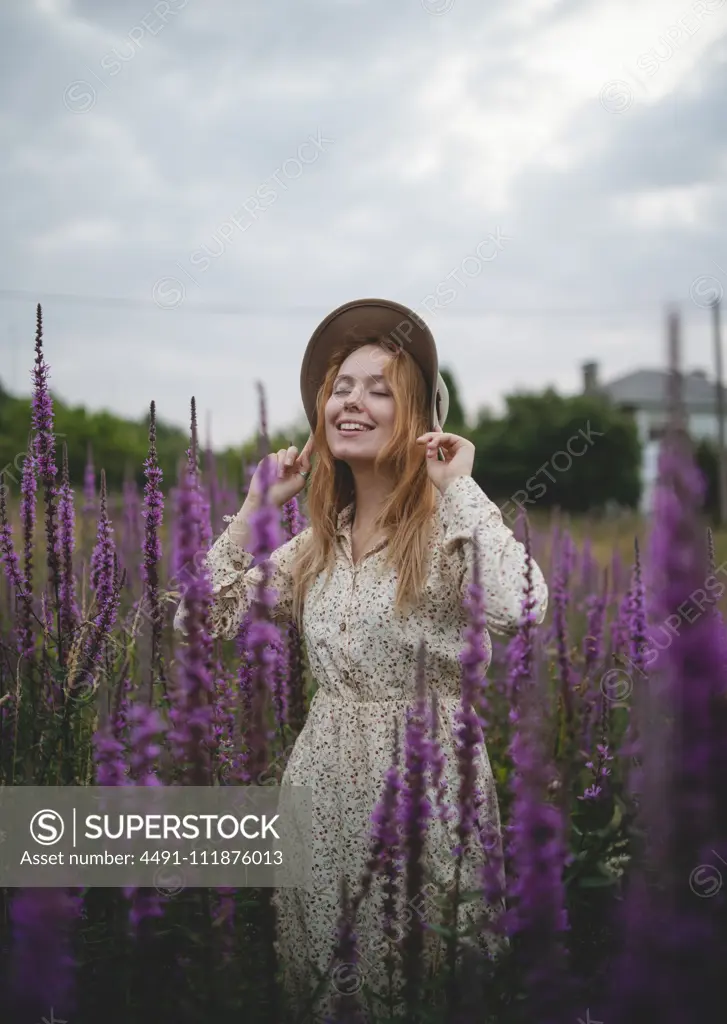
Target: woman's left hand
459, 457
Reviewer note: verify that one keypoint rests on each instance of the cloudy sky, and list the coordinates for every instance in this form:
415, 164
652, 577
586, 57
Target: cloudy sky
189, 186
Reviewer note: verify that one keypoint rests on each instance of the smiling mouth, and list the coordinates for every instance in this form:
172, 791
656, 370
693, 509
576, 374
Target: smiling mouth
354, 430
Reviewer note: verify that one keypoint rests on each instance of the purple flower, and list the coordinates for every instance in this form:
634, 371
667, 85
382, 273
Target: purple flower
10, 561
682, 728
96, 644
89, 484
223, 721
637, 616
537, 918
153, 515
595, 617
41, 962
102, 559
109, 757
28, 489
263, 635
240, 763
45, 460
415, 814
385, 836
192, 710
346, 1005
66, 516
469, 726
599, 771
560, 627
293, 518
520, 650
145, 731
437, 761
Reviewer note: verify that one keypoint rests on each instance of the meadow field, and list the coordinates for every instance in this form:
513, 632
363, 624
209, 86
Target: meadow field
605, 727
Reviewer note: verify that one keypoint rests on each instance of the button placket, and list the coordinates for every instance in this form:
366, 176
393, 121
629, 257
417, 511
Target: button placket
345, 624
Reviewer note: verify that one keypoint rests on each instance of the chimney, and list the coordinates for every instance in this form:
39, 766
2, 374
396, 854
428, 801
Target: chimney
590, 378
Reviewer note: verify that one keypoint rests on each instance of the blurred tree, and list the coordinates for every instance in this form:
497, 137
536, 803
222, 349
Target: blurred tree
577, 453
706, 458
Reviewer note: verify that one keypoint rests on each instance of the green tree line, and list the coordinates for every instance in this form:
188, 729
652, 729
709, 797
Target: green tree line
578, 453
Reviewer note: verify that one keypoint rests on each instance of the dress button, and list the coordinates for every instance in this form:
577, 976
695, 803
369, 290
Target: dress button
343, 627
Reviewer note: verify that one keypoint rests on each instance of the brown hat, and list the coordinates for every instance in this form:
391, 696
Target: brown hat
382, 317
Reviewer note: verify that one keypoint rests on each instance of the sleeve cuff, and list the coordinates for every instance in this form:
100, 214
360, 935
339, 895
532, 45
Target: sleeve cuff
226, 561
464, 499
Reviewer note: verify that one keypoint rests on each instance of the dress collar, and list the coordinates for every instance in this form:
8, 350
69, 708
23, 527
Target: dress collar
345, 518
344, 524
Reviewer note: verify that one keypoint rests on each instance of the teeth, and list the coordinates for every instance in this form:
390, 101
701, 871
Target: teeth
351, 427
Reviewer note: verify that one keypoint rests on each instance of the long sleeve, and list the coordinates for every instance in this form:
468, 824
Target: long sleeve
465, 510
234, 584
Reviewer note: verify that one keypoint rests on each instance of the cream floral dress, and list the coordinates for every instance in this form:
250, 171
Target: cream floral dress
363, 655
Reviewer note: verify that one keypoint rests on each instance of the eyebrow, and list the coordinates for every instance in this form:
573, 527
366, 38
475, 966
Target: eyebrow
371, 376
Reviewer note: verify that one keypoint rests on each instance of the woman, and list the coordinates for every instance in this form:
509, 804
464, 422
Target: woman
386, 560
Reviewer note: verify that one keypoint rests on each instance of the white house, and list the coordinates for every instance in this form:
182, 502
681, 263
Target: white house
644, 393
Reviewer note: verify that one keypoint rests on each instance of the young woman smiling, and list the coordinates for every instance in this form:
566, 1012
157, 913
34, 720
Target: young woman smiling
394, 513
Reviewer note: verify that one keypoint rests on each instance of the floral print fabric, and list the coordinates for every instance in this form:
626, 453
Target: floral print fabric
362, 655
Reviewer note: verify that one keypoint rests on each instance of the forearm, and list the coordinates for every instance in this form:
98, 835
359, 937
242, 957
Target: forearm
469, 514
239, 529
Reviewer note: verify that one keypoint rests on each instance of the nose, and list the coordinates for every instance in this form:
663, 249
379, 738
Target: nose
354, 399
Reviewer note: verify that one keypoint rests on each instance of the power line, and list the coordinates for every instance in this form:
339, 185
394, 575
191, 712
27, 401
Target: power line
242, 309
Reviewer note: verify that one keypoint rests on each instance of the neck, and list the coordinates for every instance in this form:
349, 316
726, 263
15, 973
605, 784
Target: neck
371, 491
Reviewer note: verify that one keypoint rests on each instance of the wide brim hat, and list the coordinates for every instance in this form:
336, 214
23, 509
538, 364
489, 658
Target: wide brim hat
398, 325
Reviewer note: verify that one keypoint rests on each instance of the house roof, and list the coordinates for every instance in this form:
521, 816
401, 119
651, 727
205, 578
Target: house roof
648, 389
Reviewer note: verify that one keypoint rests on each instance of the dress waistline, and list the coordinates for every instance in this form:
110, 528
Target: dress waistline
356, 699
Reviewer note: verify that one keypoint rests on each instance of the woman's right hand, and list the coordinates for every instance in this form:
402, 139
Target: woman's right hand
286, 473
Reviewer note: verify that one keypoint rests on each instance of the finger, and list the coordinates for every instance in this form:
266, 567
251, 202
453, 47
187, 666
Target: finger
291, 455
437, 440
305, 455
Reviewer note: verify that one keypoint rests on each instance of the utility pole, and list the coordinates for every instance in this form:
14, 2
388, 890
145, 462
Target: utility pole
675, 398
719, 393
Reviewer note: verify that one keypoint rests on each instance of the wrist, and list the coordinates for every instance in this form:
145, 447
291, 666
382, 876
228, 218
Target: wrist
446, 483
250, 504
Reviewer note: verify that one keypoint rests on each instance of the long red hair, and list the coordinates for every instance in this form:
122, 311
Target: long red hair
406, 517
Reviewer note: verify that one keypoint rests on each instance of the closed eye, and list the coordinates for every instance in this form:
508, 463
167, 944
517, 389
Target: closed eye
380, 394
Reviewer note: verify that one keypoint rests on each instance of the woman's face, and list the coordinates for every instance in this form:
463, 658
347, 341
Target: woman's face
360, 396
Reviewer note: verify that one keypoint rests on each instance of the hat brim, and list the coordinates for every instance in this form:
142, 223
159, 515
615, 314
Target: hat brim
378, 318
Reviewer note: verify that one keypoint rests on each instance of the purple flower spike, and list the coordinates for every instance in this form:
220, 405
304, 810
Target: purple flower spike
537, 919
102, 560
28, 489
42, 966
45, 463
470, 725
415, 815
9, 558
263, 635
152, 514
89, 484
682, 730
67, 538
192, 735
